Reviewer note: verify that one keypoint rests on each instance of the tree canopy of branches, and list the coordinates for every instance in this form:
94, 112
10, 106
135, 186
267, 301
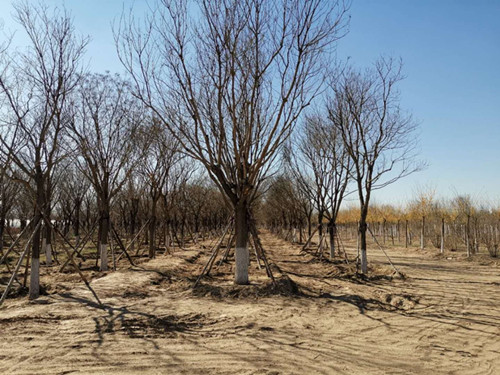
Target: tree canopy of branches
35, 86
231, 83
378, 136
105, 127
319, 162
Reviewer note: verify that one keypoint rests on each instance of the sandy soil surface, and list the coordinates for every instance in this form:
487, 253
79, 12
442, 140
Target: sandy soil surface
443, 318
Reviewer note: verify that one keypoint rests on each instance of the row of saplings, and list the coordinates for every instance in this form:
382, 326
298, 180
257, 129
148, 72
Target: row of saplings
107, 240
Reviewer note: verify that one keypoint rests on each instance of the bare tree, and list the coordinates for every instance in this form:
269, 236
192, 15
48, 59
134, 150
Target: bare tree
231, 83
104, 128
8, 193
284, 205
377, 134
162, 155
71, 191
321, 165
464, 209
35, 85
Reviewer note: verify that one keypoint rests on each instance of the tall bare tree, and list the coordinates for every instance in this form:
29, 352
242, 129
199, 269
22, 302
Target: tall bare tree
231, 83
35, 86
379, 137
162, 155
321, 165
104, 128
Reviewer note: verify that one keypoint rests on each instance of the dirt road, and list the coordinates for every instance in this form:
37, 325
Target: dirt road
444, 318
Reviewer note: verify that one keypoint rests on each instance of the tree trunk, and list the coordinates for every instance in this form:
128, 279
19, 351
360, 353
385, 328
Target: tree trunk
309, 225
103, 237
76, 222
406, 233
47, 241
134, 209
384, 228
152, 229
362, 246
34, 291
476, 237
442, 235
241, 251
332, 229
467, 236
422, 234
47, 232
399, 232
22, 224
2, 227
362, 241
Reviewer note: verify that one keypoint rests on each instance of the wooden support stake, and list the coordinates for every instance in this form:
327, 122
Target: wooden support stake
78, 248
208, 266
18, 265
306, 245
131, 242
390, 261
14, 243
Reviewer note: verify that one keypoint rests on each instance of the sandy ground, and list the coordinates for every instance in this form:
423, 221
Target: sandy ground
444, 318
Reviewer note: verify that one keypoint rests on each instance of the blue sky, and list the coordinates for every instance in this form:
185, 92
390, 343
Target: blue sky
451, 55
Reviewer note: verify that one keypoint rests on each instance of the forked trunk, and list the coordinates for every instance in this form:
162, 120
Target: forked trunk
241, 249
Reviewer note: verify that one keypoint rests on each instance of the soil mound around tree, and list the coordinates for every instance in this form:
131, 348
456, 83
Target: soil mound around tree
282, 285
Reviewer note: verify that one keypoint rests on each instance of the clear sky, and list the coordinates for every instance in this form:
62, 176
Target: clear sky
451, 55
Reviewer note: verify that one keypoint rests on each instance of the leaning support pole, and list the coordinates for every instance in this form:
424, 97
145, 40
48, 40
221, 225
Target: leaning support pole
260, 249
381, 248
228, 249
82, 276
18, 265
340, 244
208, 266
306, 245
131, 242
256, 252
120, 243
79, 247
14, 243
69, 255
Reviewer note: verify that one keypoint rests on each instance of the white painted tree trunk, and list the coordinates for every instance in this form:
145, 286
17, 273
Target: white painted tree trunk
104, 256
241, 254
47, 249
242, 259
